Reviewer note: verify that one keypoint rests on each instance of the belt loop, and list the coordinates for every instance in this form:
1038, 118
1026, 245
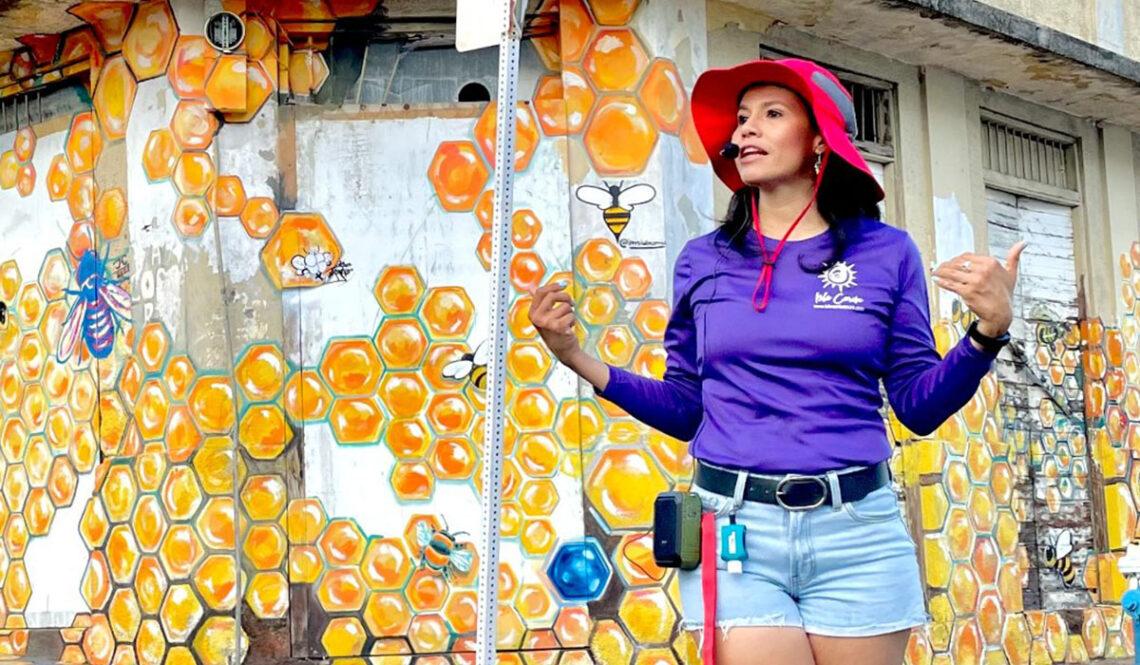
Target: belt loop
738, 493
836, 493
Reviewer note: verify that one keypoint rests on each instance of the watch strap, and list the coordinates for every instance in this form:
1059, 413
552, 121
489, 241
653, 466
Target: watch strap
989, 344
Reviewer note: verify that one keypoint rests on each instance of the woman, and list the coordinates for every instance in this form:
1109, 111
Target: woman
785, 320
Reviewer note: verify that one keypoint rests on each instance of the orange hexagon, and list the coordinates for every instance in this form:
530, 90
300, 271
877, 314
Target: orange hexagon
449, 413
58, 178
81, 198
404, 394
305, 520
426, 591
356, 420
111, 213
342, 543
298, 235
39, 512
180, 613
122, 553
9, 169
563, 102
216, 523
387, 615
402, 342
179, 376
412, 481
306, 397
599, 305
615, 60
448, 312
152, 409
118, 492
268, 595
663, 95
180, 493
342, 590
622, 485
24, 144
153, 345
194, 124
84, 143
344, 636
525, 229
81, 451
453, 458
191, 216
95, 586
265, 546
527, 271
62, 481
30, 307
227, 197
263, 431
386, 564
259, 85
351, 366
181, 551
651, 318
194, 173
260, 372
114, 96
214, 462
130, 379
259, 216
620, 136
575, 28
533, 408
212, 404
225, 88
150, 40
150, 585
150, 465
483, 251
264, 497
307, 71
149, 523
26, 179
526, 134
160, 155
258, 38
399, 289
613, 12
191, 62
458, 175
407, 438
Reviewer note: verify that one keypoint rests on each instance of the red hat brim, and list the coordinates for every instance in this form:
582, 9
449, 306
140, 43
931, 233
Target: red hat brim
715, 102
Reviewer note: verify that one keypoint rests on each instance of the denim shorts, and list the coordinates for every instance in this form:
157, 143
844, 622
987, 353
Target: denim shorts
845, 571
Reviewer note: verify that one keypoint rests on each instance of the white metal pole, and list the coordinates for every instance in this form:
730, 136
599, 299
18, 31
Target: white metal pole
509, 42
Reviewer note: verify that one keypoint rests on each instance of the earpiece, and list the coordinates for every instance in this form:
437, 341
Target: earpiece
730, 150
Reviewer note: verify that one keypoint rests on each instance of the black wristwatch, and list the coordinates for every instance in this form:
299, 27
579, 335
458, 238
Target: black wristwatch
989, 344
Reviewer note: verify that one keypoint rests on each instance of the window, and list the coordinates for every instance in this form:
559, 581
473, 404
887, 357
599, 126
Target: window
36, 106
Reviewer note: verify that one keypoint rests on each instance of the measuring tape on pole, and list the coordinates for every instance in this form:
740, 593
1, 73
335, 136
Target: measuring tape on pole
509, 41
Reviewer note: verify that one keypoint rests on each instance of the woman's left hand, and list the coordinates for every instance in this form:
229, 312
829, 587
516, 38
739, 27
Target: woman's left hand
985, 286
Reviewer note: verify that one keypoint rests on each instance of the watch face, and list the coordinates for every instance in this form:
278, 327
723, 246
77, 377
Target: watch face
225, 31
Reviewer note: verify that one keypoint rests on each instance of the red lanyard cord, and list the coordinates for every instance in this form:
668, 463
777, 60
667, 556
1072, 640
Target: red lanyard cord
765, 280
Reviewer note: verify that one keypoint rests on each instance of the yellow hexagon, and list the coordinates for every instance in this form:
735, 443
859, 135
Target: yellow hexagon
264, 497
264, 432
150, 40
399, 289
180, 612
344, 636
448, 313
216, 523
342, 590
114, 96
260, 372
181, 551
386, 564
268, 595
216, 580
211, 403
149, 523
265, 546
214, 642
647, 614
351, 366
305, 520
124, 615
122, 553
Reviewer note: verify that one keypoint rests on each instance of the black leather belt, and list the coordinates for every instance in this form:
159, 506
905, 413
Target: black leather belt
794, 492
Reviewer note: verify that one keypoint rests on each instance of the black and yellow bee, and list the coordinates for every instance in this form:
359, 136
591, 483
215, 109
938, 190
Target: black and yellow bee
616, 202
472, 366
1057, 557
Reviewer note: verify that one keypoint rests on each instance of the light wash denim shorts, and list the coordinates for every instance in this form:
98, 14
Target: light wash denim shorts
844, 571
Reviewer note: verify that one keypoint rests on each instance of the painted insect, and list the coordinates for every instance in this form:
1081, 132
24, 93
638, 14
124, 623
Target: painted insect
317, 264
93, 315
616, 202
471, 365
3, 313
440, 552
1057, 557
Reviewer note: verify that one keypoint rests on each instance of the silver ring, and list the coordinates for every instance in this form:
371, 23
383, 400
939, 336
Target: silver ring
966, 266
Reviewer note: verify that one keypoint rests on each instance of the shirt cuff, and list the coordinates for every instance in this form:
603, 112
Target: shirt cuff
611, 384
975, 356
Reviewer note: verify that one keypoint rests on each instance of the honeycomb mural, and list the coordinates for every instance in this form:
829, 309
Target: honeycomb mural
197, 448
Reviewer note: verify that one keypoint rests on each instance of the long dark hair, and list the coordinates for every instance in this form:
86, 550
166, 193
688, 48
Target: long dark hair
843, 196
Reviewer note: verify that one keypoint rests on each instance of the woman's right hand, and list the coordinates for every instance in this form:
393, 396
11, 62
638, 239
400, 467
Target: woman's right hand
552, 314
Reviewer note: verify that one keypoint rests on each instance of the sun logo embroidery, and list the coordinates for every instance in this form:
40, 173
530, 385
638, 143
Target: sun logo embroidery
839, 277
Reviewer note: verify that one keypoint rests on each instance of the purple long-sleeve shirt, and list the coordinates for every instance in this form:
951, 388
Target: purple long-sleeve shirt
795, 388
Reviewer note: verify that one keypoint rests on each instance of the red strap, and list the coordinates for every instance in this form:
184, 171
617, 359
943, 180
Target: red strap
708, 587
770, 262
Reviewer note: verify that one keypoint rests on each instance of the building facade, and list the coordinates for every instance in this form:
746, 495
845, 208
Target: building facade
244, 296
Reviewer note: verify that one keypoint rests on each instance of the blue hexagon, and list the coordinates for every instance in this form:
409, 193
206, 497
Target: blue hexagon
579, 571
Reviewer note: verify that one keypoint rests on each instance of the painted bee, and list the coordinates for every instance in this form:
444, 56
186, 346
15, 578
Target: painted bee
440, 552
3, 313
616, 202
1057, 557
471, 365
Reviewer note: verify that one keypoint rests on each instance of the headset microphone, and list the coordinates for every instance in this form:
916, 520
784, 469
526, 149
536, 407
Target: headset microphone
730, 150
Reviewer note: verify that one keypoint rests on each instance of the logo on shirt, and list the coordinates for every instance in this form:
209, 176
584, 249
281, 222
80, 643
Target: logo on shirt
836, 281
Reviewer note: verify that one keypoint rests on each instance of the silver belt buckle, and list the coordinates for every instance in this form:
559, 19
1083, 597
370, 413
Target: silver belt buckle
791, 477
